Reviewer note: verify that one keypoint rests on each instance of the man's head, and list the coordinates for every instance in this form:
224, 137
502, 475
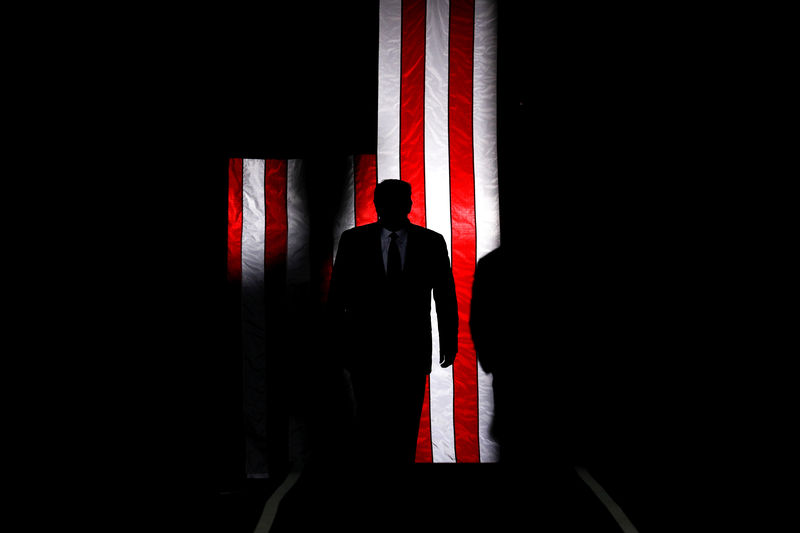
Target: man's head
393, 203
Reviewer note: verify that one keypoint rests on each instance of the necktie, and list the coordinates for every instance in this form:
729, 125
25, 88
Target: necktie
393, 265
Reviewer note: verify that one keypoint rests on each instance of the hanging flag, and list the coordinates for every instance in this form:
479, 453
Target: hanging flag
268, 262
437, 129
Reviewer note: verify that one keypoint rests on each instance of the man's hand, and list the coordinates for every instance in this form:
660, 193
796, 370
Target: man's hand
446, 359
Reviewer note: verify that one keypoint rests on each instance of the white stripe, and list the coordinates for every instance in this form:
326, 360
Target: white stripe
484, 127
298, 264
253, 314
253, 225
441, 402
437, 152
487, 207
616, 511
389, 42
346, 214
437, 210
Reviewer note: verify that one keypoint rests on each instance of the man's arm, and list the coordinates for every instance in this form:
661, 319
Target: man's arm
444, 295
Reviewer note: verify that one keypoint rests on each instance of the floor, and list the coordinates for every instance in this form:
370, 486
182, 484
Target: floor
439, 497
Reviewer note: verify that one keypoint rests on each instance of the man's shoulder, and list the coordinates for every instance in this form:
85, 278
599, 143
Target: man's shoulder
359, 232
424, 233
370, 230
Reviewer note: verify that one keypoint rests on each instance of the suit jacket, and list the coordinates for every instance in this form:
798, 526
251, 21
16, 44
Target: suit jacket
382, 323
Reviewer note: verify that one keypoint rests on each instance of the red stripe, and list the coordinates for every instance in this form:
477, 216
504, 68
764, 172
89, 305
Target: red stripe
235, 220
276, 221
462, 202
412, 106
424, 441
366, 177
412, 155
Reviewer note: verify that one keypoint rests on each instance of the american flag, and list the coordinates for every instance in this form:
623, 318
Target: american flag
437, 129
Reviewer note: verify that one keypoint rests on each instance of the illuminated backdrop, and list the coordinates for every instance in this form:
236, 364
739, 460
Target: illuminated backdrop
437, 129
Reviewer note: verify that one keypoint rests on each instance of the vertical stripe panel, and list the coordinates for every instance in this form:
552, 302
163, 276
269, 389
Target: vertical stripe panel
253, 317
437, 198
462, 199
487, 206
275, 257
389, 44
298, 267
412, 106
234, 269
452, 123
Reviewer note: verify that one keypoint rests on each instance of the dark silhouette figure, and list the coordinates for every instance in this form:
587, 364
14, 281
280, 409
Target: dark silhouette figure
519, 333
522, 378
527, 336
490, 326
380, 303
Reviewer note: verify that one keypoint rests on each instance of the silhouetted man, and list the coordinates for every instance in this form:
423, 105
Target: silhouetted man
380, 297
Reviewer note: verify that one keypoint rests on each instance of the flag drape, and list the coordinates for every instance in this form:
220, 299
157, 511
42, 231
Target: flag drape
437, 68
268, 259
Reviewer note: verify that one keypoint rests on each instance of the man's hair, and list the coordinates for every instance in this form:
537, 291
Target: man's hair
391, 190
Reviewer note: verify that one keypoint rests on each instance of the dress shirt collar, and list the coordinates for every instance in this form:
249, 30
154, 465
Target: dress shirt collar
402, 234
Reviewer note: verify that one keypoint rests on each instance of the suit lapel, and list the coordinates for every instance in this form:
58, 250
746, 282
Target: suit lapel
412, 249
376, 255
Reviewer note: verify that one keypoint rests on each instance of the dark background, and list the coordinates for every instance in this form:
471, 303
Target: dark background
635, 169
608, 186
